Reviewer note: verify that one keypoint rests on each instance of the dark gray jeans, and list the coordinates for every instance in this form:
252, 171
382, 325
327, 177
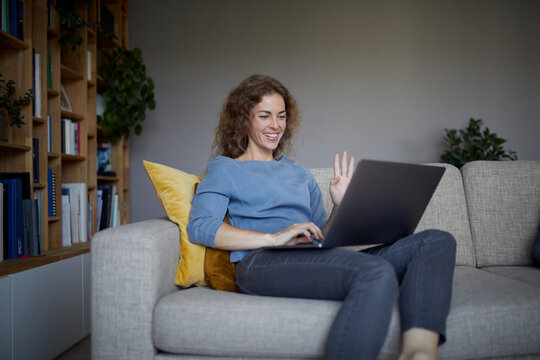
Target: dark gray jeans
367, 282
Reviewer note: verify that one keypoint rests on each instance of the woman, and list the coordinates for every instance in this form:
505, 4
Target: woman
269, 201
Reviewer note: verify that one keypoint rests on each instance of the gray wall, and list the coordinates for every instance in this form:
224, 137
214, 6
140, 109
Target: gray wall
382, 79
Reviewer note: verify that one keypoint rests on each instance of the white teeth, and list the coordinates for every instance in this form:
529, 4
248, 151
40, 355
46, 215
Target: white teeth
271, 135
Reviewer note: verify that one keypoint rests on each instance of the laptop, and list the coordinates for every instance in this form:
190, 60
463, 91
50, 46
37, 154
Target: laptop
383, 203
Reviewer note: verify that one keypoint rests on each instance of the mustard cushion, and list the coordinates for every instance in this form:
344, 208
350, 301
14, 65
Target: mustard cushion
175, 189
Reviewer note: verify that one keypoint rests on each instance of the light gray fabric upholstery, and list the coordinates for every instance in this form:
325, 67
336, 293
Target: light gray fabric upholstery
447, 211
491, 316
191, 322
503, 199
132, 267
527, 274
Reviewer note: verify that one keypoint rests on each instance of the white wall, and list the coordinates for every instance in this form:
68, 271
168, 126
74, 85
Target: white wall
382, 79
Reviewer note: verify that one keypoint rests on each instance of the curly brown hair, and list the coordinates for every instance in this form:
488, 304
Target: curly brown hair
231, 133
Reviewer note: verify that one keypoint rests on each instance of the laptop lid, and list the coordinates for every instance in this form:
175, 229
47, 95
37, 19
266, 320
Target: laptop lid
383, 203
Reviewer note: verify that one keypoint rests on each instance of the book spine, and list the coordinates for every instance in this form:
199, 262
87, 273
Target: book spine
49, 192
35, 159
49, 125
49, 70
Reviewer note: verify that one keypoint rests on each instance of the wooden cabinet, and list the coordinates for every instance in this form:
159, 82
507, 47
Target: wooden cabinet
74, 73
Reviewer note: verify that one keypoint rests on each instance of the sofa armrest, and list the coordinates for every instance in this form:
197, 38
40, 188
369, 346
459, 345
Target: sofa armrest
133, 266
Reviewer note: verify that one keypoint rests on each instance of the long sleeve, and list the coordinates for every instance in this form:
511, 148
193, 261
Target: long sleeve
209, 206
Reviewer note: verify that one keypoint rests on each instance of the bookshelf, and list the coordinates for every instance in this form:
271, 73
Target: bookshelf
77, 74
46, 299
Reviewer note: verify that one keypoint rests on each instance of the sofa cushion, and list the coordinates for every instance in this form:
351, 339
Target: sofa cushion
527, 274
503, 200
447, 211
491, 316
175, 189
485, 321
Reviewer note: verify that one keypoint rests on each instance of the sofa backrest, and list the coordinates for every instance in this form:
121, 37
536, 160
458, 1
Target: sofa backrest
446, 210
503, 199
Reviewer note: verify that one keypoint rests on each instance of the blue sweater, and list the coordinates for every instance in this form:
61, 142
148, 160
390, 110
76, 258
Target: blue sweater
263, 196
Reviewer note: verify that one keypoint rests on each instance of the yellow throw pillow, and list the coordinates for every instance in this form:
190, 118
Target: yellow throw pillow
175, 189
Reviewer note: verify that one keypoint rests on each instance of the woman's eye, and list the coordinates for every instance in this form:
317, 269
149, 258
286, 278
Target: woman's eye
264, 117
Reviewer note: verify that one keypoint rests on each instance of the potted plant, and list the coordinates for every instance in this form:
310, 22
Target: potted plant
473, 143
128, 93
70, 22
11, 105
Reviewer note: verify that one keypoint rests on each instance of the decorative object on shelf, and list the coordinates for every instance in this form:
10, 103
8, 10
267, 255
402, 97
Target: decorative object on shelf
473, 143
11, 103
129, 92
70, 22
65, 104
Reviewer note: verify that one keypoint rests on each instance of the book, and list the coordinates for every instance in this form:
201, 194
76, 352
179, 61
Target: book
89, 66
35, 159
36, 81
99, 207
81, 211
49, 69
14, 217
37, 198
49, 125
25, 181
29, 221
66, 218
2, 213
51, 192
106, 209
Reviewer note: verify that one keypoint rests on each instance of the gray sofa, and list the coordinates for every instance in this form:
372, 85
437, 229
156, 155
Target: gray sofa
492, 209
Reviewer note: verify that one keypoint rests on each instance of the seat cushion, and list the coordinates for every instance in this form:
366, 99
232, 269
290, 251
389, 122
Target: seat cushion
503, 200
490, 316
527, 274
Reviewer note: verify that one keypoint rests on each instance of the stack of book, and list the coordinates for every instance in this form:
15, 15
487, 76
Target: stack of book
20, 227
71, 140
12, 17
107, 207
74, 213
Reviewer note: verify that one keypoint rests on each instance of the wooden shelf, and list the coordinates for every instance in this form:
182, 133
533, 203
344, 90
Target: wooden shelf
7, 146
108, 178
67, 157
7, 41
12, 266
52, 93
71, 115
70, 71
70, 74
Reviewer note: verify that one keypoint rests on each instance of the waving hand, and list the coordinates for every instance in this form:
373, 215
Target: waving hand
342, 177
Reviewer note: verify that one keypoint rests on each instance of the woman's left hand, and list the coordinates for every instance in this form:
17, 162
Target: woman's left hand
342, 177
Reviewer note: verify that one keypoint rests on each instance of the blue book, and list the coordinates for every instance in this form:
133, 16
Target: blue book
14, 219
49, 192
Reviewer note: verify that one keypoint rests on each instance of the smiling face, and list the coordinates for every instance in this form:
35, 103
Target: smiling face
267, 125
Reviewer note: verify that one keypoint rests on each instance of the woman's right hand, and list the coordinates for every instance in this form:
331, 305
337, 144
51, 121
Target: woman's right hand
297, 234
